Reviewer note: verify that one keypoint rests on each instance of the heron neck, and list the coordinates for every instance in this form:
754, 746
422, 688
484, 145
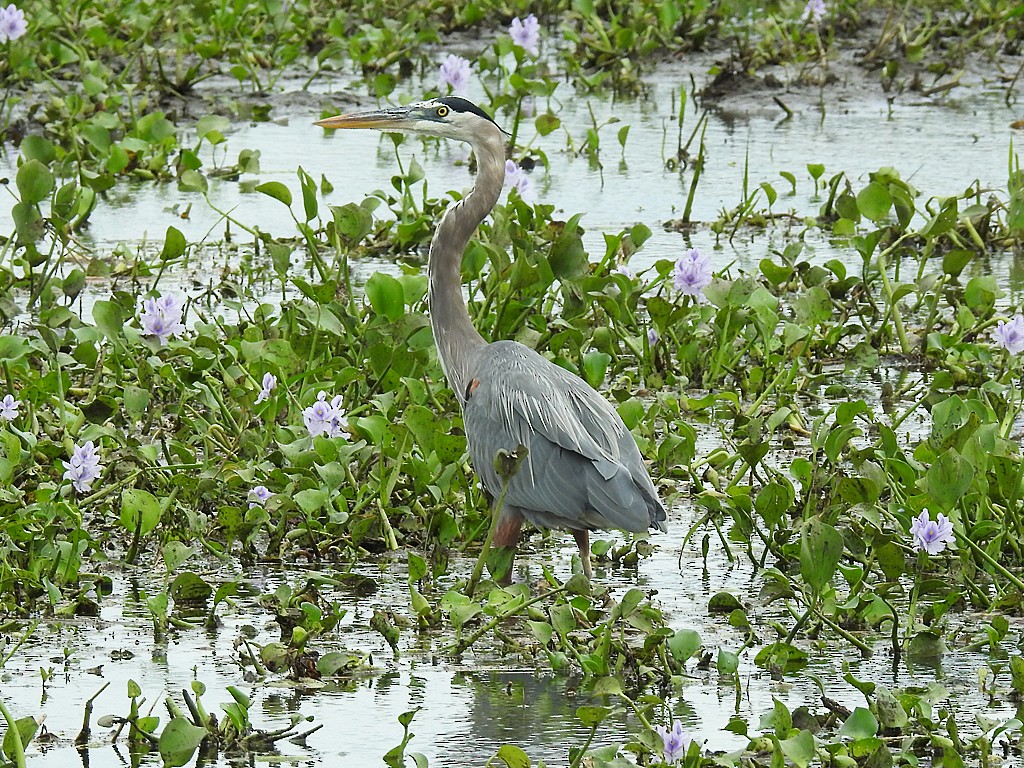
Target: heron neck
456, 338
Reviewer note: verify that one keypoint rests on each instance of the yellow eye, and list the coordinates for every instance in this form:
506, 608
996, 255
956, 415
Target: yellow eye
442, 111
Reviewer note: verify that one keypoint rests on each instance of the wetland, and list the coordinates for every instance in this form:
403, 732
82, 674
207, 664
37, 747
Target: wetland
192, 575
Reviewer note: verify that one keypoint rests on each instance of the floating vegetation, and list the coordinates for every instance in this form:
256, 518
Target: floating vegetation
239, 441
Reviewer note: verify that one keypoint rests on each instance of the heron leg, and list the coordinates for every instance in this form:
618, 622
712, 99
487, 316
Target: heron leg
583, 542
506, 539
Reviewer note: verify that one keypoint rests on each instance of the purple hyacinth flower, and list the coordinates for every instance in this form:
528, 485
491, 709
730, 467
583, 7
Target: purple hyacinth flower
693, 273
674, 741
931, 535
258, 496
84, 467
9, 408
518, 179
1010, 335
269, 385
12, 23
814, 11
526, 34
454, 74
161, 317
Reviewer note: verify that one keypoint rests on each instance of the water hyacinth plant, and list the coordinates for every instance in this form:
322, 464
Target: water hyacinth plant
269, 384
814, 11
931, 536
325, 417
84, 467
674, 743
622, 269
516, 178
692, 273
847, 365
9, 408
258, 496
1010, 334
453, 75
161, 317
526, 34
12, 23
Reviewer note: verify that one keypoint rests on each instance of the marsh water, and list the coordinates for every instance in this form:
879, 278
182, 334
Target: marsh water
471, 706
468, 708
940, 146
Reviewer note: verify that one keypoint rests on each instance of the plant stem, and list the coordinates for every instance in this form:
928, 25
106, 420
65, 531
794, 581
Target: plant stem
478, 568
897, 318
466, 643
698, 167
912, 612
860, 644
17, 748
83, 735
21, 641
990, 560
583, 750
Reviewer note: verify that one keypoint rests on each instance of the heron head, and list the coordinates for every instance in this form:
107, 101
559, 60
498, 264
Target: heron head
450, 117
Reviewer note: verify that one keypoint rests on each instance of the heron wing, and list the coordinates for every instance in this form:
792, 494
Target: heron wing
583, 468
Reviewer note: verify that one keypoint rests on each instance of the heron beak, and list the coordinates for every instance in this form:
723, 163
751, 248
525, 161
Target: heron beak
382, 119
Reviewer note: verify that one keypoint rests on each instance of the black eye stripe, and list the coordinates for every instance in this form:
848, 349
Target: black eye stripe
462, 105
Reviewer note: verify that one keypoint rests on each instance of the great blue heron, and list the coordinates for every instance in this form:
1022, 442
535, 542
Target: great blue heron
582, 469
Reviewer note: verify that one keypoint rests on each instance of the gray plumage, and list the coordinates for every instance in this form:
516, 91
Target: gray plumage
583, 469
